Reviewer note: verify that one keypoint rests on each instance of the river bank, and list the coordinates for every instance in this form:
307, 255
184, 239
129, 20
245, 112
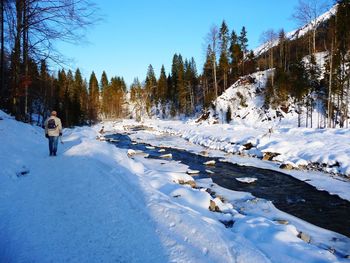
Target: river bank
296, 146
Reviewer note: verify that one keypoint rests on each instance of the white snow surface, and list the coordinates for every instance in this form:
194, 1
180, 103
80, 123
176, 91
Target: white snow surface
93, 203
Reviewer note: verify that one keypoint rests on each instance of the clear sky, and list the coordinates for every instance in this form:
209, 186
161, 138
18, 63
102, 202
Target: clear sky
136, 33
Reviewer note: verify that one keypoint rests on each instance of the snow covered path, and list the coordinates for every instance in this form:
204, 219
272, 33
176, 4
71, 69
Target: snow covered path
89, 204
70, 209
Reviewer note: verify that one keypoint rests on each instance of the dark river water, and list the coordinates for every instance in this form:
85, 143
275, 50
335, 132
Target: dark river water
288, 194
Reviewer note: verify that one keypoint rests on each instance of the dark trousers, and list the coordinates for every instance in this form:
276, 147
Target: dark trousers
53, 141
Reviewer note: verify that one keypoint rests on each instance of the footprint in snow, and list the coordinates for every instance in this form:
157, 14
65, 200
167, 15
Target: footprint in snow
24, 171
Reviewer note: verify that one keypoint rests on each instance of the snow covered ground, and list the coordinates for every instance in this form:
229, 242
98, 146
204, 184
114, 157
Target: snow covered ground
93, 203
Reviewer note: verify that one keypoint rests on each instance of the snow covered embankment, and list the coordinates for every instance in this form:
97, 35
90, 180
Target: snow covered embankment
94, 204
297, 148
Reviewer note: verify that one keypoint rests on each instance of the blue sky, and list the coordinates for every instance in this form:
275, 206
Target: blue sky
136, 33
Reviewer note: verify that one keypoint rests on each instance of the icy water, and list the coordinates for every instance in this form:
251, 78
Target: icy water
288, 194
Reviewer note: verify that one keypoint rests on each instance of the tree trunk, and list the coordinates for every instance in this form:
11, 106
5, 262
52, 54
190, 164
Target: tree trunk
314, 39
2, 61
25, 55
225, 80
311, 111
307, 114
330, 88
215, 81
17, 60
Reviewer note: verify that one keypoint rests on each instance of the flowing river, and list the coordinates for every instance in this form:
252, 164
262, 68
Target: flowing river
288, 194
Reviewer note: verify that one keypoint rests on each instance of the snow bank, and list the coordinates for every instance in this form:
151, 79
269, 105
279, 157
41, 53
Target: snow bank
324, 149
93, 203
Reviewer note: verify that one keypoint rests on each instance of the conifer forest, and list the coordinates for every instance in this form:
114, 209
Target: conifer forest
29, 86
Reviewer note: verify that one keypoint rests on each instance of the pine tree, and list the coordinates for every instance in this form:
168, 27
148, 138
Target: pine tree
298, 86
151, 89
236, 56
137, 97
169, 92
191, 80
243, 43
70, 105
251, 63
207, 79
313, 74
162, 88
174, 93
224, 60
93, 105
116, 92
104, 83
44, 90
182, 95
64, 97
78, 99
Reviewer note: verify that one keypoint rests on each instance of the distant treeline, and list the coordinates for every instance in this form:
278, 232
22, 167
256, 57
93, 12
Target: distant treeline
28, 89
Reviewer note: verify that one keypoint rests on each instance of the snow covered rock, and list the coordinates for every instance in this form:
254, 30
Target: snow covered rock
166, 156
213, 207
190, 183
189, 171
287, 166
305, 237
268, 156
247, 180
282, 221
132, 153
210, 163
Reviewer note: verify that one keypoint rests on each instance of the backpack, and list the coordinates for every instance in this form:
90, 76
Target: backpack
51, 124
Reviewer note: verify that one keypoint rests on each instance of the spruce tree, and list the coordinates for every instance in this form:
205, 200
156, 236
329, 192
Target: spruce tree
182, 96
151, 89
69, 93
94, 97
174, 83
137, 97
207, 79
104, 83
117, 90
79, 99
298, 86
223, 60
236, 56
194, 84
162, 88
243, 43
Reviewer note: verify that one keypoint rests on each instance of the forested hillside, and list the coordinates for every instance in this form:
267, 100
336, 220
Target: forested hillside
30, 88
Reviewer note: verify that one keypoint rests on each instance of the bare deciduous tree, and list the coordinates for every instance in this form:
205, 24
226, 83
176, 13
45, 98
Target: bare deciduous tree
35, 25
269, 38
307, 12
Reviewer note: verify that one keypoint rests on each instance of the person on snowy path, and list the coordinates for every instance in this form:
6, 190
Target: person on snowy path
53, 129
